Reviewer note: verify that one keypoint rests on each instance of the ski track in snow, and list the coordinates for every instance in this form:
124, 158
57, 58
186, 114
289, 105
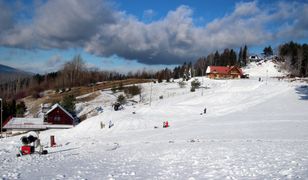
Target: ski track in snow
252, 130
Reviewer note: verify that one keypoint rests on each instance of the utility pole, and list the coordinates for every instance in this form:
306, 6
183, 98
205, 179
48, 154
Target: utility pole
1, 115
151, 92
266, 76
202, 83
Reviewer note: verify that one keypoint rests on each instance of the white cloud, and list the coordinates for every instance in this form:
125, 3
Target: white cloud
55, 61
6, 19
61, 24
101, 29
246, 9
299, 27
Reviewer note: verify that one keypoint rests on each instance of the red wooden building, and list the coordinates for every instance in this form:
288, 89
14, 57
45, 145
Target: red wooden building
224, 72
58, 115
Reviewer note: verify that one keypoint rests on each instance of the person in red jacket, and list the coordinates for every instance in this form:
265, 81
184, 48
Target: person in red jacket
166, 124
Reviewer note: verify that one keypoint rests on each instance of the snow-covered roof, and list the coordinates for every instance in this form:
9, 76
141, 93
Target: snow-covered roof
16, 120
33, 124
25, 123
58, 105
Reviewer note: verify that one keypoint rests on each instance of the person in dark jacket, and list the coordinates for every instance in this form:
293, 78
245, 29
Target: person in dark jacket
110, 124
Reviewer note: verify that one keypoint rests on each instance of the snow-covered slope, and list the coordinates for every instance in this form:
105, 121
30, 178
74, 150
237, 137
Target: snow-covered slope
263, 69
252, 130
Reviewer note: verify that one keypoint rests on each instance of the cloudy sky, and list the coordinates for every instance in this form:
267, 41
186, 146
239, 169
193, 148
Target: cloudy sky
123, 35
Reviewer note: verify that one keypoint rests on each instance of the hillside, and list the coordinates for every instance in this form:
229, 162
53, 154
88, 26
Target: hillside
252, 130
9, 74
83, 94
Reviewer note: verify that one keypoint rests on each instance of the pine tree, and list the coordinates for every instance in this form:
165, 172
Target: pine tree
304, 63
6, 110
182, 70
21, 109
268, 51
176, 74
68, 103
225, 58
294, 54
216, 58
245, 54
232, 58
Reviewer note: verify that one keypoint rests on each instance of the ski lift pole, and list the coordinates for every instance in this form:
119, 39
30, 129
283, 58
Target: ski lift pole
151, 92
1, 114
266, 76
202, 83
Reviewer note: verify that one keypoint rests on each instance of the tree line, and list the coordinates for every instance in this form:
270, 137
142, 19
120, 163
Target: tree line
296, 58
228, 57
75, 73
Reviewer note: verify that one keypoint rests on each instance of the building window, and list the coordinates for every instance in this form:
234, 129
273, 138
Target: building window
57, 118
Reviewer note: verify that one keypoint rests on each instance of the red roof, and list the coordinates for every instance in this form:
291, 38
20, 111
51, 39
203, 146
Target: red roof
219, 69
223, 69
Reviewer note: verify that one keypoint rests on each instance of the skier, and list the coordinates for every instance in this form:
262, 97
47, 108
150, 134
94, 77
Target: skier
110, 124
204, 111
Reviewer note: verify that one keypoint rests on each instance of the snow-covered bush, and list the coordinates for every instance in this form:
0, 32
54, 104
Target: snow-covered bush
195, 84
113, 89
131, 91
121, 99
182, 84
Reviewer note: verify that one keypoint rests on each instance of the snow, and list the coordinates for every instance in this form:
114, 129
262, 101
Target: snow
263, 69
105, 99
252, 130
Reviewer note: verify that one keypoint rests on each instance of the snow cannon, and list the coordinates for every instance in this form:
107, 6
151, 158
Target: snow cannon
165, 124
30, 143
28, 139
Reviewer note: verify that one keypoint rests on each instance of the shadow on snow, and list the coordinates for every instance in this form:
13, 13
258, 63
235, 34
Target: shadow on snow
302, 91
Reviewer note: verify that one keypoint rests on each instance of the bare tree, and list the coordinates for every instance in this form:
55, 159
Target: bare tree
73, 70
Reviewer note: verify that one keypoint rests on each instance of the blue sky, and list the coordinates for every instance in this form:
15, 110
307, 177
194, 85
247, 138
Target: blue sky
207, 10
40, 35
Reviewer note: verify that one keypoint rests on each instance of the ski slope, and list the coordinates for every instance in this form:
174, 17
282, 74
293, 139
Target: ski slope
252, 130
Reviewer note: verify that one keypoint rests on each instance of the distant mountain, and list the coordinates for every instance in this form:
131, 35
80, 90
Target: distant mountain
10, 74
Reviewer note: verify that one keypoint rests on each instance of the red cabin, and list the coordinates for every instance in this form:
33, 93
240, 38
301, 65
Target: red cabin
222, 72
58, 115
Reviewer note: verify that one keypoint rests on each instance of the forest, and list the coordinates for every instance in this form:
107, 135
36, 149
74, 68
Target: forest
296, 58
